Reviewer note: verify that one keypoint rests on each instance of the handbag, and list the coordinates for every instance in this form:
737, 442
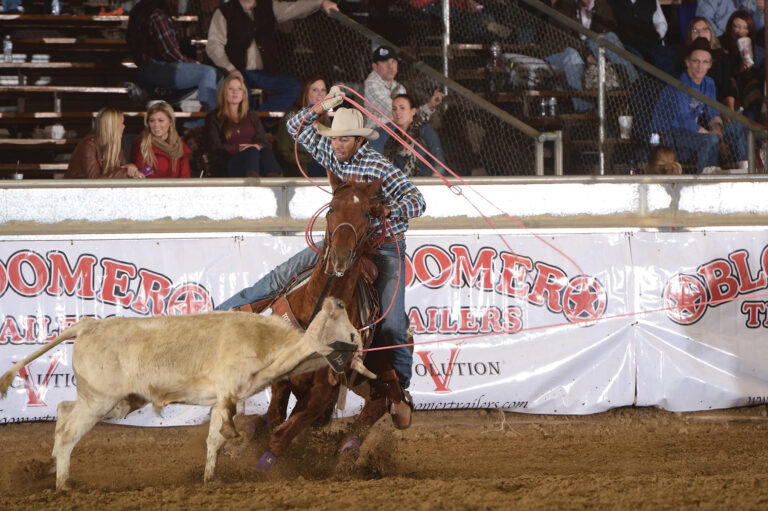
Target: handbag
590, 79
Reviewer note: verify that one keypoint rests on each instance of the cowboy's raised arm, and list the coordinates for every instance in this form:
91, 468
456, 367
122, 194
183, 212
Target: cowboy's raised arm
319, 147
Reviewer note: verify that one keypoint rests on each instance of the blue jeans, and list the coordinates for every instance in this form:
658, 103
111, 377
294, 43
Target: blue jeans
181, 76
11, 5
393, 329
261, 162
283, 90
570, 62
705, 147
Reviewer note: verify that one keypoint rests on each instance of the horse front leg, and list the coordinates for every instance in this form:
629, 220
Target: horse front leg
309, 407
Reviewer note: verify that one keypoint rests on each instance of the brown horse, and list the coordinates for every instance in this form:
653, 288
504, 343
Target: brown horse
338, 272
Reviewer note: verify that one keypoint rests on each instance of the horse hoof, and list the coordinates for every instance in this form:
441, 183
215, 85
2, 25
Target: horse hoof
266, 462
351, 448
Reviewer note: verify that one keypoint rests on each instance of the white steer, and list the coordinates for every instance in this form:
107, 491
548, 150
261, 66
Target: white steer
214, 358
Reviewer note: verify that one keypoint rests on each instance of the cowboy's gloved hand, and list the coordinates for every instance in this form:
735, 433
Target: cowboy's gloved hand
380, 211
335, 98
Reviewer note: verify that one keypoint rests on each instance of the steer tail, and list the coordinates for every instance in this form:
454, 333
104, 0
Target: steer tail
69, 333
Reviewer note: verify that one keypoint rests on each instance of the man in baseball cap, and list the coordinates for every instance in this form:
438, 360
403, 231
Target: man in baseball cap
380, 86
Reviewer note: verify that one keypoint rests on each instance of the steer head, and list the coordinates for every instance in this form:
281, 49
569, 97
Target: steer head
336, 338
348, 220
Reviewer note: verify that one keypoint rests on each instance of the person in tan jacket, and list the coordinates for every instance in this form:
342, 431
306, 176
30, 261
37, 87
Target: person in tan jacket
100, 154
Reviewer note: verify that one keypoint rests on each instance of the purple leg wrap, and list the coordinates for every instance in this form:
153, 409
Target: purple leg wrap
352, 444
266, 462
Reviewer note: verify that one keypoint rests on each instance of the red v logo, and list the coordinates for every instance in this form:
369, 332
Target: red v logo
36, 393
441, 378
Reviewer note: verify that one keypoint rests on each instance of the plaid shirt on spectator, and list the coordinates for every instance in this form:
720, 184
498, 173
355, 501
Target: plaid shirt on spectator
158, 40
403, 198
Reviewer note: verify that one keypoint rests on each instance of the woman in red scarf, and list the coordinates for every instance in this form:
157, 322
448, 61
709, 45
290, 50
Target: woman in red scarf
159, 151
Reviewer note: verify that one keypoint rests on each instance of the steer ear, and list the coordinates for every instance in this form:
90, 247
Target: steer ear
332, 306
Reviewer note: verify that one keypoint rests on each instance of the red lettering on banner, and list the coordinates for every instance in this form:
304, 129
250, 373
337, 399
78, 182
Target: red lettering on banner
447, 325
154, 288
753, 311
514, 321
414, 319
491, 320
421, 267
550, 281
16, 274
9, 332
467, 321
432, 326
441, 384
189, 299
35, 393
720, 282
114, 289
478, 274
3, 279
75, 281
740, 259
514, 273
409, 276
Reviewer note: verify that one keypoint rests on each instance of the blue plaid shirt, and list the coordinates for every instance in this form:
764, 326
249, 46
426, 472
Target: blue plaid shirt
403, 198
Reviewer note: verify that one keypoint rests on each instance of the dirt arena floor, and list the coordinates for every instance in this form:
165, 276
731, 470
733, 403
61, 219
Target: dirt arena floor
628, 458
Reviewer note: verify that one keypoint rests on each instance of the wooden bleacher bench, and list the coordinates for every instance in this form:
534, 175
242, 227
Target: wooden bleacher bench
50, 44
86, 117
37, 144
33, 169
73, 20
37, 68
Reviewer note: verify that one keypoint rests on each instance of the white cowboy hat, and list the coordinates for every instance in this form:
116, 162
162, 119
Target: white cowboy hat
348, 122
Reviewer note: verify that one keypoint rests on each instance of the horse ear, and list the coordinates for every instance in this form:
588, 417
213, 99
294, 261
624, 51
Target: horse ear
333, 179
374, 187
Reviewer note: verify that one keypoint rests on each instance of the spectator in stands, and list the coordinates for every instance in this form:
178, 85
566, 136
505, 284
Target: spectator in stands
152, 40
242, 40
597, 15
641, 26
380, 86
747, 67
720, 70
662, 160
470, 21
234, 136
414, 122
100, 154
159, 151
12, 7
677, 115
718, 12
313, 90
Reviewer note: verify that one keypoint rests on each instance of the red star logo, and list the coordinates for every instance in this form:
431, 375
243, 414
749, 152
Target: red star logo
584, 299
189, 299
685, 299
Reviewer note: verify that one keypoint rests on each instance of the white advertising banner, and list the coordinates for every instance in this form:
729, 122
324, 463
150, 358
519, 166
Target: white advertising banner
529, 324
707, 346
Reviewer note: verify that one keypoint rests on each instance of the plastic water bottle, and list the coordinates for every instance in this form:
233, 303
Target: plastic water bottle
495, 55
55, 7
543, 107
7, 49
655, 139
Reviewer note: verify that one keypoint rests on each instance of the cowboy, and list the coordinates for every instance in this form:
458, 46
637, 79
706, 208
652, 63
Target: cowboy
242, 40
342, 149
692, 128
380, 87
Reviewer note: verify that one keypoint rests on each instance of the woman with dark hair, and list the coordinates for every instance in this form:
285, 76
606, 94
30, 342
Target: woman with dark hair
234, 136
313, 90
747, 62
415, 123
100, 154
720, 72
152, 41
159, 151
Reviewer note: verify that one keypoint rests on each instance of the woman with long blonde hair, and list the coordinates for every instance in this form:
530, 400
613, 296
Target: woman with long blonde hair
159, 151
235, 139
100, 154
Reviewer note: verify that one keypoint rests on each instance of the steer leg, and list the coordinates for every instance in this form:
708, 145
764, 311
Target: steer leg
75, 422
221, 414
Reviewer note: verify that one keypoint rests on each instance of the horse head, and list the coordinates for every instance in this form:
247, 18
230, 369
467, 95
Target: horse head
348, 221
